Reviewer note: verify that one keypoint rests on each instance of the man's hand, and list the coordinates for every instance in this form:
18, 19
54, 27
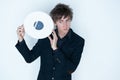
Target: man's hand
20, 33
53, 41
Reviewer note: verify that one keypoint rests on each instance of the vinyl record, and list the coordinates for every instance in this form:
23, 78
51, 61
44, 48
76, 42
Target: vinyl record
38, 25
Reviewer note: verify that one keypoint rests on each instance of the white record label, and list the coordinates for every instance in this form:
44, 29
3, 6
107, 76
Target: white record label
38, 25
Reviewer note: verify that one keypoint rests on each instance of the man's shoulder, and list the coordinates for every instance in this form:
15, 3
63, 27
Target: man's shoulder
76, 37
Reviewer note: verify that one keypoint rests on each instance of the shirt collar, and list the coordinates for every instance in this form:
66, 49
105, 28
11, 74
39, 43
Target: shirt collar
68, 35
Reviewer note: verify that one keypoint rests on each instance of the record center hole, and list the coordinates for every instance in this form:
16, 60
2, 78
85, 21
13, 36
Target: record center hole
38, 25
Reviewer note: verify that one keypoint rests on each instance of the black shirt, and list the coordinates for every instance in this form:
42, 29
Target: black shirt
62, 40
58, 64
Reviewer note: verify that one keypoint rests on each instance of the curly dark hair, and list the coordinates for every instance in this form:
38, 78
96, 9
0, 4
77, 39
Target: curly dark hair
61, 10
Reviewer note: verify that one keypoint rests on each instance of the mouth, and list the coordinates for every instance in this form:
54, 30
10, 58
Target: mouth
66, 29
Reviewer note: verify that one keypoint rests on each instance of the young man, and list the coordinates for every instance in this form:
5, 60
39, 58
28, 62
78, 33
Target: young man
61, 53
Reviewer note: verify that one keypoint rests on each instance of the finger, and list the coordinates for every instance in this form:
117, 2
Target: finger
21, 27
53, 32
54, 35
20, 31
50, 38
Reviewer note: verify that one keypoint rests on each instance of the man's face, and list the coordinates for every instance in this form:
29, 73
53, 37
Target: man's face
63, 25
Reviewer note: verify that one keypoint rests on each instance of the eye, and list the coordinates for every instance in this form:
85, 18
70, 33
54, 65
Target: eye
60, 21
68, 20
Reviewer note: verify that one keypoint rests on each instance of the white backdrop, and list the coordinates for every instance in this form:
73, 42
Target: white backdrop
98, 21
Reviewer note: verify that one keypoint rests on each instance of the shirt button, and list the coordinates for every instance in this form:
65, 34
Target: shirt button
53, 68
52, 78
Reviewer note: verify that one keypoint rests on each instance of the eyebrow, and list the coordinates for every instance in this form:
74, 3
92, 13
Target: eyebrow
66, 19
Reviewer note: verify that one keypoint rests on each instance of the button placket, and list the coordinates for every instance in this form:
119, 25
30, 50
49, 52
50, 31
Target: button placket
53, 68
52, 78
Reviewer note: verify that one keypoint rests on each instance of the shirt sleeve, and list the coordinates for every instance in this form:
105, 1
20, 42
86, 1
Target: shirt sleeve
29, 55
72, 62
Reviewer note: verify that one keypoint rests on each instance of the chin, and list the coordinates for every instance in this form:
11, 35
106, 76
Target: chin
66, 31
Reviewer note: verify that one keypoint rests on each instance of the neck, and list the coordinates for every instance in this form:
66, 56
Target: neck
61, 34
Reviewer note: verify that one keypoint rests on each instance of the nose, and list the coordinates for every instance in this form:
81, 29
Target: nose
65, 25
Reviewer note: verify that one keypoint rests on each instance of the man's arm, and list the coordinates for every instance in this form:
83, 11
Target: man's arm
73, 61
60, 57
29, 55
